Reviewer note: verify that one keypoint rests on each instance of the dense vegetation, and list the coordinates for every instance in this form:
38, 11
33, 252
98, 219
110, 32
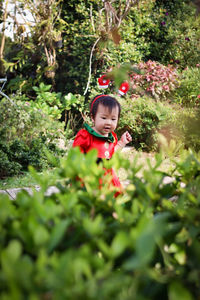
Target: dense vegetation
156, 48
82, 243
25, 137
167, 33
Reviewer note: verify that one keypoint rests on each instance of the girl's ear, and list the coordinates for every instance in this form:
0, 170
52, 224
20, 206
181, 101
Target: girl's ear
92, 118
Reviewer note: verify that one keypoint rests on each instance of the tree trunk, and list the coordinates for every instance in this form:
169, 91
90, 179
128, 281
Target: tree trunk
2, 70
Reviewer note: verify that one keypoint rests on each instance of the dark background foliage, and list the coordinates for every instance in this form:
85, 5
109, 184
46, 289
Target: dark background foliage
152, 30
165, 32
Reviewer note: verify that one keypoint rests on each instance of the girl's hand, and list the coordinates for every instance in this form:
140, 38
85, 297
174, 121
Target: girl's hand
125, 139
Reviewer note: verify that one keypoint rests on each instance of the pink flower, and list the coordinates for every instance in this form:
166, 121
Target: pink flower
197, 65
166, 88
198, 96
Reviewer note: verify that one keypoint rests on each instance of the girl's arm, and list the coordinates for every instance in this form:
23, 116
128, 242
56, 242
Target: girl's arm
82, 140
125, 139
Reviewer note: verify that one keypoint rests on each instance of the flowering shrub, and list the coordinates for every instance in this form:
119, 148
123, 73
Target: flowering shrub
155, 79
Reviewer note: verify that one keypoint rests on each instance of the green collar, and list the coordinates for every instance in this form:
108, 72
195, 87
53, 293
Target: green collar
109, 138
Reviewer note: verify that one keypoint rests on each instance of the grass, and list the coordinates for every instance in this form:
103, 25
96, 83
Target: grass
25, 180
142, 158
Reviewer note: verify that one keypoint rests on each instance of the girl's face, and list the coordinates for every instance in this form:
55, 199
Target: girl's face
105, 121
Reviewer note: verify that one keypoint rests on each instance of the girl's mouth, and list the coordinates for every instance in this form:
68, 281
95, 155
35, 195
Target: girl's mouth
107, 128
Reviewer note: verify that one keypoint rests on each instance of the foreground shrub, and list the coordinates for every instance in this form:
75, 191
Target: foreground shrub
142, 117
25, 134
82, 243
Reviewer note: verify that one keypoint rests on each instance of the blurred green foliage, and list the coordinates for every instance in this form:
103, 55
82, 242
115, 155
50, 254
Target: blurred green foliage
187, 122
188, 92
83, 243
161, 32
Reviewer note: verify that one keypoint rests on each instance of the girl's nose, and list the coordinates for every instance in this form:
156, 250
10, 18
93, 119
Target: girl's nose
108, 121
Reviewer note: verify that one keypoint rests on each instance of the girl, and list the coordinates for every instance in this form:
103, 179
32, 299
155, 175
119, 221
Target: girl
105, 112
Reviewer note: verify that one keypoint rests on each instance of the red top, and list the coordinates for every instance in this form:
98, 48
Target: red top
86, 142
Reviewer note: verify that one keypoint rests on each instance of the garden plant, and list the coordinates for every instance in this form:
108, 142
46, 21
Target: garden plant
82, 242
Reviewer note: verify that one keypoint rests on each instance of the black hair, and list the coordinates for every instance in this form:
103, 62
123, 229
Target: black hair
105, 100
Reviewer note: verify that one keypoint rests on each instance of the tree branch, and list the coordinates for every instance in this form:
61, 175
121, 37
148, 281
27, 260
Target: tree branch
90, 65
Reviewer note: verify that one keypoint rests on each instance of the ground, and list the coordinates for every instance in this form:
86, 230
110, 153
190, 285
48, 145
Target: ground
142, 157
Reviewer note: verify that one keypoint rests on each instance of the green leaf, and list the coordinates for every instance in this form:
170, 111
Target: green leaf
94, 226
177, 291
180, 257
119, 243
41, 235
14, 250
104, 248
57, 234
6, 209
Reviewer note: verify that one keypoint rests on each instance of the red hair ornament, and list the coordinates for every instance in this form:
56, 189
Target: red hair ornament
103, 82
96, 99
123, 89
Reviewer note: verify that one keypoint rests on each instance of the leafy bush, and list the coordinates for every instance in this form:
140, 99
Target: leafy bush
142, 117
185, 50
155, 79
84, 243
174, 38
17, 156
155, 30
8, 168
187, 123
159, 31
25, 133
49, 102
188, 93
68, 107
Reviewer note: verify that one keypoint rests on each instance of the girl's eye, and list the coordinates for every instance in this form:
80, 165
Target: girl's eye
113, 119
